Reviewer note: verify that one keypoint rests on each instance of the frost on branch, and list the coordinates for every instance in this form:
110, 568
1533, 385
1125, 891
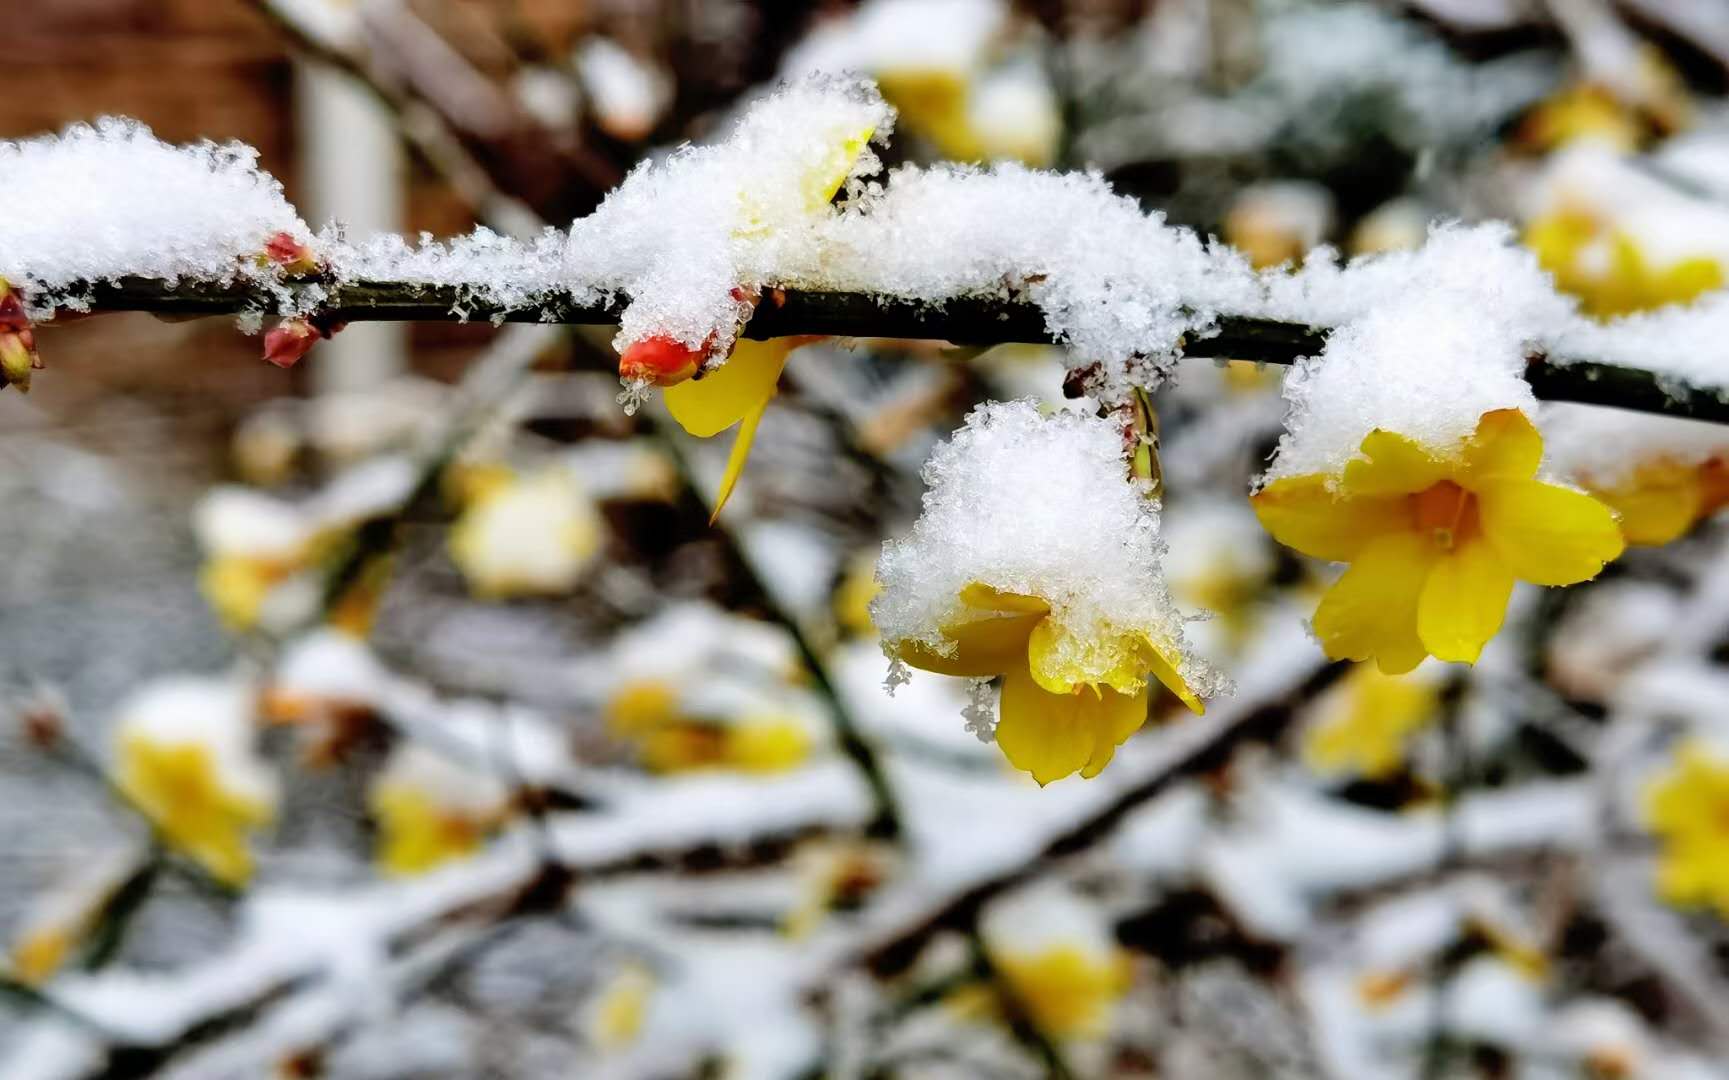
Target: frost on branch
101, 202
1037, 559
683, 236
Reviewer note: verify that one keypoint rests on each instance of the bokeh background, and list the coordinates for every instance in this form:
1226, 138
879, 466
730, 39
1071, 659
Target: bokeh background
559, 780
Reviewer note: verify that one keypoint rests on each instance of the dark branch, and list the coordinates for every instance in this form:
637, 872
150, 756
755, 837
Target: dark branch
967, 321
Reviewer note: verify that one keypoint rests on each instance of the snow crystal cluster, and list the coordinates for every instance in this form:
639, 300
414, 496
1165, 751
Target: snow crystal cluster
486, 269
1425, 343
681, 237
110, 200
1037, 505
1116, 284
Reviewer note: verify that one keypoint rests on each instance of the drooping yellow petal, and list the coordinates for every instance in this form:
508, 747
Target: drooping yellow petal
1301, 513
1464, 601
1391, 465
1120, 715
1052, 735
726, 395
1658, 506
990, 634
735, 460
1165, 669
1371, 611
1506, 446
1548, 535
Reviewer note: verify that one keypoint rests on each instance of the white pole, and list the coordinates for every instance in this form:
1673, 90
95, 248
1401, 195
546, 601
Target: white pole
352, 171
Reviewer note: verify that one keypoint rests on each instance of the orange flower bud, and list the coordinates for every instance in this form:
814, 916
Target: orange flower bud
659, 360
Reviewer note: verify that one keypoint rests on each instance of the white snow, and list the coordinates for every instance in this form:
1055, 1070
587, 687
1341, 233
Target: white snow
104, 201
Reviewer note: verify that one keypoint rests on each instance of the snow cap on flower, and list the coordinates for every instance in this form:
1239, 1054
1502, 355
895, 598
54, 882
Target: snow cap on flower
1037, 559
1039, 506
1056, 953
188, 760
1428, 341
686, 237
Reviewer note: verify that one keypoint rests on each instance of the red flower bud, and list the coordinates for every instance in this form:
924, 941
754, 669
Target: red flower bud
662, 361
292, 339
290, 254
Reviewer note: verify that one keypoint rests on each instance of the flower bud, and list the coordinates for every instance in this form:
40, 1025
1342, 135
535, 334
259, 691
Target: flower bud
295, 258
662, 361
17, 341
294, 338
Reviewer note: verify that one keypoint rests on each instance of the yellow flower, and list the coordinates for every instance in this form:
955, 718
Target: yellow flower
758, 744
530, 537
179, 787
431, 810
1579, 113
1366, 719
1054, 718
852, 598
615, 1017
1688, 809
1608, 271
1066, 991
1436, 543
1663, 499
416, 834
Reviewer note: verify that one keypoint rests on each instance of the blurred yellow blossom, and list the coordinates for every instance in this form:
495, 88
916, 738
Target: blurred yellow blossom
529, 536
431, 810
1688, 809
185, 760
1364, 721
1608, 270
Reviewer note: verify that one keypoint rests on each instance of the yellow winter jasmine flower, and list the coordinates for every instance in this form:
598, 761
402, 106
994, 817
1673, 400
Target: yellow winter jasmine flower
1688, 809
416, 835
615, 1017
533, 536
852, 598
1066, 991
1435, 543
1054, 719
754, 744
179, 787
1607, 269
1053, 954
1664, 499
1578, 113
1366, 719
61, 918
432, 810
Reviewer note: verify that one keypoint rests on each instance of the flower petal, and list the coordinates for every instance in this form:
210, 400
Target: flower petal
736, 459
1052, 735
1301, 513
1391, 465
1371, 611
1120, 715
732, 391
990, 634
1506, 446
1165, 667
1464, 601
1655, 510
1548, 535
